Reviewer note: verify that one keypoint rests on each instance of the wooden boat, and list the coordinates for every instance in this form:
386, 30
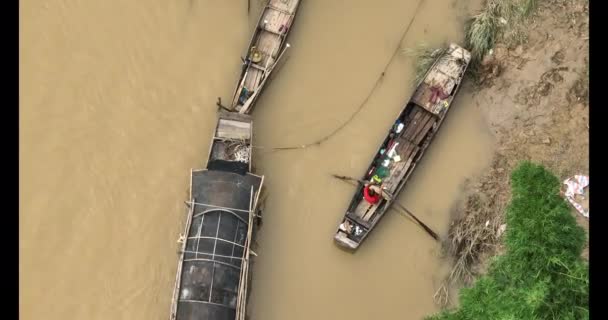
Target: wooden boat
265, 50
404, 145
213, 269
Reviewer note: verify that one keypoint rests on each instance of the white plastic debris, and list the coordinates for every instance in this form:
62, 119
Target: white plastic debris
242, 155
501, 229
576, 186
358, 231
343, 227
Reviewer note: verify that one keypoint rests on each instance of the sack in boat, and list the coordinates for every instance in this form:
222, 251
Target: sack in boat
382, 172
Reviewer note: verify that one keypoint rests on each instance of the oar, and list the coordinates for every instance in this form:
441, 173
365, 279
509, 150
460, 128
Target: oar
390, 198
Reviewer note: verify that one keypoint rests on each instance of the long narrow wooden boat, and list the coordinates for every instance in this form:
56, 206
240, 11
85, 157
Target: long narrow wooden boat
213, 269
405, 143
266, 48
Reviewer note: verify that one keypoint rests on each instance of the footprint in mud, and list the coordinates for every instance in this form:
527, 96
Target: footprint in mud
544, 88
558, 57
531, 95
556, 77
547, 82
578, 91
553, 75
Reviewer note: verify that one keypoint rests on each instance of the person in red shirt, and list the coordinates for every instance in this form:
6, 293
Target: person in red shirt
372, 193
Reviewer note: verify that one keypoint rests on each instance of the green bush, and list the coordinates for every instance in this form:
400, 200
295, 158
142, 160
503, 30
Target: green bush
542, 274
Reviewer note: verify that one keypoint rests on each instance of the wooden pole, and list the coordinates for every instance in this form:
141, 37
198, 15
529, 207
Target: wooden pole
241, 303
178, 277
220, 105
390, 198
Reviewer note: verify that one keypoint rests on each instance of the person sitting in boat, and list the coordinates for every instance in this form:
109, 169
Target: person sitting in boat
372, 193
245, 94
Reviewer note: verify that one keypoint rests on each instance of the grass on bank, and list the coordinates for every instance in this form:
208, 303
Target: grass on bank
424, 57
499, 17
498, 20
542, 274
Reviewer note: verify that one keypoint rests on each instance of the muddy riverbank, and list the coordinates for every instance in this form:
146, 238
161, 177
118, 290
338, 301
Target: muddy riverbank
534, 97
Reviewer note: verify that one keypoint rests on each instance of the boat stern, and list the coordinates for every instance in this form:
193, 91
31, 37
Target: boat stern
343, 241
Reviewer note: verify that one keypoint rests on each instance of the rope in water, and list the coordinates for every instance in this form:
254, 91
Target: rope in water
364, 102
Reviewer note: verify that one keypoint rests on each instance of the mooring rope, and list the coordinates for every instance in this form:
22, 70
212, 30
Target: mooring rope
363, 103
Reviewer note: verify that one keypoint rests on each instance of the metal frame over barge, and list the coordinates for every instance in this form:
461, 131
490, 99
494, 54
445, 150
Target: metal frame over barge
404, 145
213, 269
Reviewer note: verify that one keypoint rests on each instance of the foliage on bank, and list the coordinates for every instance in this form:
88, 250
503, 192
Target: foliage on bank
498, 18
541, 275
424, 56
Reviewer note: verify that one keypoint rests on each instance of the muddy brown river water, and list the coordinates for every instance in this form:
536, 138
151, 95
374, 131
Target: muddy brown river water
117, 103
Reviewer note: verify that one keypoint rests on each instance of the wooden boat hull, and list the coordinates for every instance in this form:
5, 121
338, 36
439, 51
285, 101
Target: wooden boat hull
405, 144
265, 51
213, 267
